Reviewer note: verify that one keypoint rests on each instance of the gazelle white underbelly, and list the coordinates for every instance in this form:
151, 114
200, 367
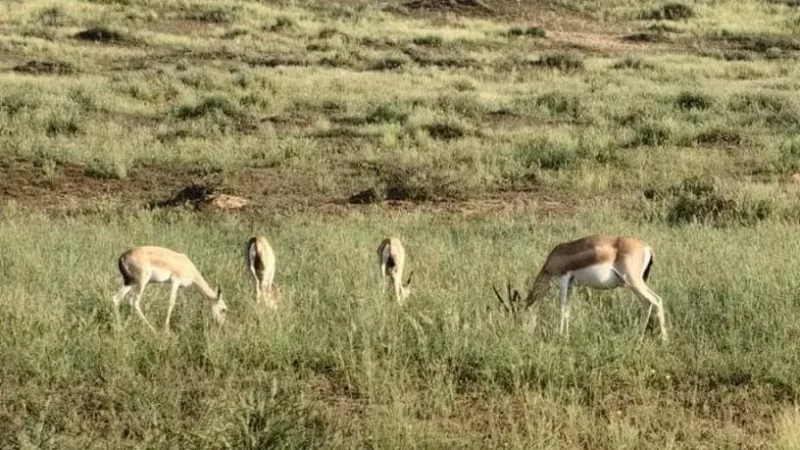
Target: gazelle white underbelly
160, 275
598, 276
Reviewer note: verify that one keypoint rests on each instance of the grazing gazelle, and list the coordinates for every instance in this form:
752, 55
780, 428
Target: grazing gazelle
599, 262
392, 259
142, 265
260, 259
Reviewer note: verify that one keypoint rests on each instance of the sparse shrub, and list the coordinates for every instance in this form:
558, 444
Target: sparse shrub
213, 13
535, 31
36, 67
100, 34
83, 98
663, 27
413, 182
775, 109
556, 159
532, 31
563, 61
670, 11
513, 61
208, 106
760, 43
389, 63
790, 154
388, 113
234, 33
425, 58
596, 146
693, 100
60, 125
788, 160
52, 16
97, 168
382, 42
50, 170
328, 32
650, 37
633, 63
428, 41
282, 23
318, 47
333, 106
705, 209
173, 135
760, 102
723, 137
464, 85
544, 153
718, 210
446, 130
367, 196
650, 133
560, 103
340, 59
465, 104
38, 31
698, 200
18, 101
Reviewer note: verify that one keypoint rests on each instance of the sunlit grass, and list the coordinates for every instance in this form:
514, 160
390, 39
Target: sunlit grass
419, 365
690, 145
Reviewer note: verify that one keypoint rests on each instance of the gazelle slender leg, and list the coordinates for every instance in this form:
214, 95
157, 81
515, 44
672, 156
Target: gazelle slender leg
563, 290
172, 296
257, 282
271, 301
646, 294
659, 313
383, 279
267, 289
267, 298
137, 306
268, 279
398, 283
118, 297
644, 320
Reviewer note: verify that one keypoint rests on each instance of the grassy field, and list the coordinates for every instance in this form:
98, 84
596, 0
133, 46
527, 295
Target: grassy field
482, 134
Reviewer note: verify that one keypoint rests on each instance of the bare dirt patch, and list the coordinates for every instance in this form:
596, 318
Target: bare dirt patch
30, 186
38, 67
262, 189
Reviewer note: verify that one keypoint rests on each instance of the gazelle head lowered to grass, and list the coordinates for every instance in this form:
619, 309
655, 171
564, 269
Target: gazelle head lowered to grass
392, 259
598, 262
142, 265
260, 260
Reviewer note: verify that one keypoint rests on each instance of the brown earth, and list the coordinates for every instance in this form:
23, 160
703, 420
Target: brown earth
73, 191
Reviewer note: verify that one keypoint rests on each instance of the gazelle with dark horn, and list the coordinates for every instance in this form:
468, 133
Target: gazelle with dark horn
260, 259
392, 260
142, 265
598, 262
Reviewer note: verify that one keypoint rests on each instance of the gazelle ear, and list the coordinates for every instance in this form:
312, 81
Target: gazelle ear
219, 293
